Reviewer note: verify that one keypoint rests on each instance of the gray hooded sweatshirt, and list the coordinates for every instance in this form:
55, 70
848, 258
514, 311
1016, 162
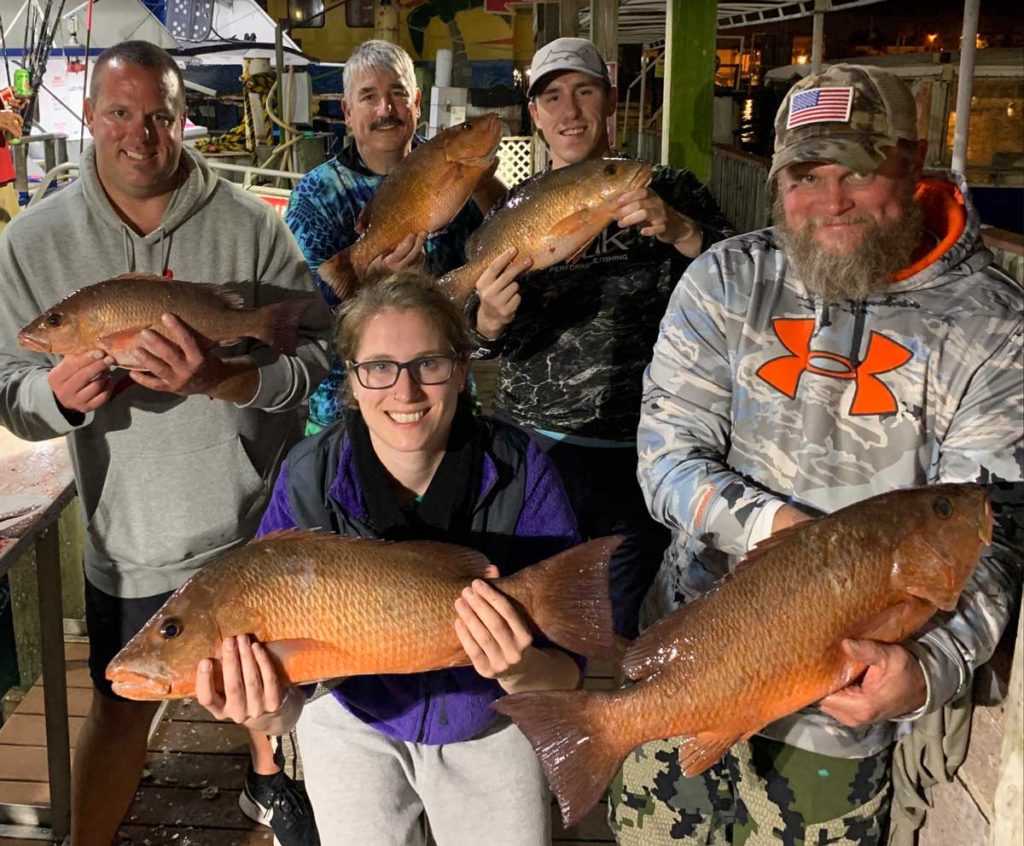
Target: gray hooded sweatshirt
166, 482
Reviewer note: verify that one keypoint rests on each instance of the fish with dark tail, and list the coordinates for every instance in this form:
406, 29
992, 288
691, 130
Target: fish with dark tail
110, 315
766, 640
424, 193
327, 606
552, 218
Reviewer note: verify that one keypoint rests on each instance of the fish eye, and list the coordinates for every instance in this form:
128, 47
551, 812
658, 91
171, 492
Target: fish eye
609, 170
943, 507
170, 628
467, 126
54, 319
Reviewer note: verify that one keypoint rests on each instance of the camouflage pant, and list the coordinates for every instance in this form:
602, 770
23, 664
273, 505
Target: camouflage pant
761, 792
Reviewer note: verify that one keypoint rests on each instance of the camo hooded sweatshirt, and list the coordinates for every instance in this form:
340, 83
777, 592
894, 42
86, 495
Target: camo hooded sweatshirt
760, 394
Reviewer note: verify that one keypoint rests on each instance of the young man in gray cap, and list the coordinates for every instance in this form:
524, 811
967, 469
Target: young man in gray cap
574, 338
866, 343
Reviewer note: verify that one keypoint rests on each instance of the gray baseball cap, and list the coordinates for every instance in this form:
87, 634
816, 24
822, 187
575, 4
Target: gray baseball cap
567, 54
847, 114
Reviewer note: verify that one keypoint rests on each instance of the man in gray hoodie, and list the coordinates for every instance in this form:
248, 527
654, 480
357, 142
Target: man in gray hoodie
167, 478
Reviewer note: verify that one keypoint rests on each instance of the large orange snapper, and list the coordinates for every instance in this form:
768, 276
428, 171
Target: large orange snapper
766, 641
423, 193
329, 606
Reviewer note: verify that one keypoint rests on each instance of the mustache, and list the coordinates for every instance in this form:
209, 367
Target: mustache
386, 123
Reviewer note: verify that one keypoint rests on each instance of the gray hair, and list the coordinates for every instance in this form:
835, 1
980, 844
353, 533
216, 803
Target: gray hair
377, 55
142, 54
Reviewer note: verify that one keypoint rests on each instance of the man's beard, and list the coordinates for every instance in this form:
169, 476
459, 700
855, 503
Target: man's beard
885, 248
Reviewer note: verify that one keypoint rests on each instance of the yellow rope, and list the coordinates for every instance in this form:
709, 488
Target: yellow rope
240, 139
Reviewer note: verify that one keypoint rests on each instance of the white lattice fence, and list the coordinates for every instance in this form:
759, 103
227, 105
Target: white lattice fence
516, 159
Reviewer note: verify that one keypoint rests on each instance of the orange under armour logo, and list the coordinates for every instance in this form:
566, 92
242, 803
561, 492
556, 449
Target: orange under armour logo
871, 396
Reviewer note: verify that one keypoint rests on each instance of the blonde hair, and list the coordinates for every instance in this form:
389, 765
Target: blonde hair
404, 290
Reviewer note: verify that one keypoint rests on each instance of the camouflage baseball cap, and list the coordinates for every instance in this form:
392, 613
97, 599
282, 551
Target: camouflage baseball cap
566, 54
846, 115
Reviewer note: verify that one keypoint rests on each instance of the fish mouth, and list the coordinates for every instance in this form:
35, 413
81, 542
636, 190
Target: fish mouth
137, 686
30, 341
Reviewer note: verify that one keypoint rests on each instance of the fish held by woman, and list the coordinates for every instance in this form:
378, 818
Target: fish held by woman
766, 640
327, 606
110, 315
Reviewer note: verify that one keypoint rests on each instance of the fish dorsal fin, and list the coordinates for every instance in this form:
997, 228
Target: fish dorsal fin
459, 562
646, 655
294, 534
140, 277
227, 293
762, 547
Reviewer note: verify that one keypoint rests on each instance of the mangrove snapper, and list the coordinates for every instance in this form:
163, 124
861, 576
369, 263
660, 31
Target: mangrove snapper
110, 315
552, 218
766, 640
327, 606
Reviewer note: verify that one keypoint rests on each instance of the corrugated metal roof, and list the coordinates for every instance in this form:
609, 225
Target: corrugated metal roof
643, 21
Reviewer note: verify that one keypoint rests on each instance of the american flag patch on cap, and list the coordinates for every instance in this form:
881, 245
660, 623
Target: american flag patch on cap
818, 105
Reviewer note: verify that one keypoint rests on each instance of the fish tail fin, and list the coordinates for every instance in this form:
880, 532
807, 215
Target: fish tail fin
576, 740
339, 273
279, 323
566, 596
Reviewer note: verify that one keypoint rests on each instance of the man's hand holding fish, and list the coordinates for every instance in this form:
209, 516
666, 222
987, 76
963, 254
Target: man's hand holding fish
893, 685
177, 363
81, 382
644, 208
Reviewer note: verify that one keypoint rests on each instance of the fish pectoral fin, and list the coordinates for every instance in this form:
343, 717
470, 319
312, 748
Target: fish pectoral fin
895, 623
122, 338
572, 225
698, 752
304, 659
922, 570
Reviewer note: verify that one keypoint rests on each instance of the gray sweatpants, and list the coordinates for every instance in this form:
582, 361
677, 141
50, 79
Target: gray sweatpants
370, 789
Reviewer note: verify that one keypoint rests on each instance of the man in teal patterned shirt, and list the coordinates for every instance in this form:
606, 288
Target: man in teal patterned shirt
382, 107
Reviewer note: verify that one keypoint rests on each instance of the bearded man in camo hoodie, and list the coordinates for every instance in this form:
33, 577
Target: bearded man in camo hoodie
863, 344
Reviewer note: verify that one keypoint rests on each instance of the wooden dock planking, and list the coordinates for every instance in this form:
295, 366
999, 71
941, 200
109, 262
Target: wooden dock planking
194, 772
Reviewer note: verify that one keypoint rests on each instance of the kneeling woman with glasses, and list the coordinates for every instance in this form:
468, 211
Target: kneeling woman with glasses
386, 757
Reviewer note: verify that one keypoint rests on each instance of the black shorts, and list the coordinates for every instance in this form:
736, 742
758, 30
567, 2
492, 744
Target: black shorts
112, 621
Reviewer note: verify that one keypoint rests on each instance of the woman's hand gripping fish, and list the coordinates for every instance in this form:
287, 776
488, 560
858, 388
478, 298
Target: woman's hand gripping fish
767, 640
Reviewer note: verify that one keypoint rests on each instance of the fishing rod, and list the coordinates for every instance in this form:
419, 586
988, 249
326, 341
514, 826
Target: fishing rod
7, 62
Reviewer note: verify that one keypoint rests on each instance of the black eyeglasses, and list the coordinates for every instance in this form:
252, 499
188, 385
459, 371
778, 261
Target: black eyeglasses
428, 370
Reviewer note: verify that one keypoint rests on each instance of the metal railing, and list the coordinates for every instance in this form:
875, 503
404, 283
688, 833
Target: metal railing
739, 186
